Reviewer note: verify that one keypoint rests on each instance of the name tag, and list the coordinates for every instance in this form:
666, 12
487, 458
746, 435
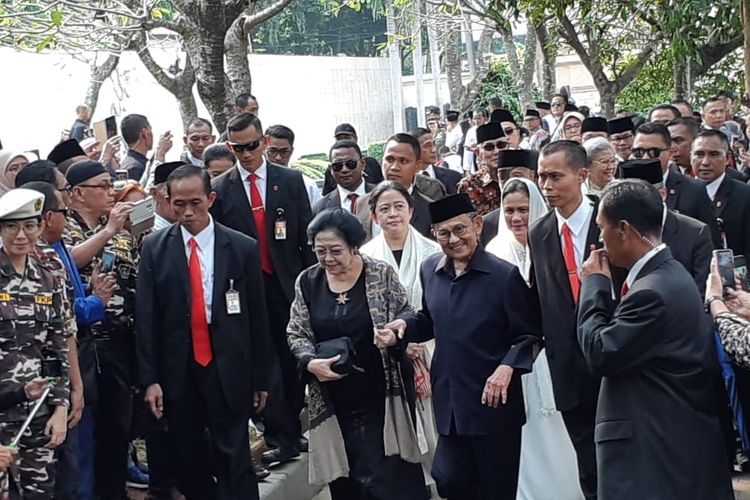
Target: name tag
5, 297
279, 225
233, 300
42, 300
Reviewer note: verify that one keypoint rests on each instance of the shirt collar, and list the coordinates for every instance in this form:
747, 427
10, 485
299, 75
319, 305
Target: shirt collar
480, 262
261, 171
578, 219
713, 186
359, 191
194, 160
204, 238
641, 263
138, 156
431, 170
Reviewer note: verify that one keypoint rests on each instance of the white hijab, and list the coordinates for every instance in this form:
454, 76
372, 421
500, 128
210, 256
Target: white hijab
416, 249
559, 133
505, 245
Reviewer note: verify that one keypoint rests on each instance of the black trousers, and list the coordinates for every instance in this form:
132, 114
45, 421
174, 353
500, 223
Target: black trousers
580, 422
478, 467
286, 392
162, 471
226, 453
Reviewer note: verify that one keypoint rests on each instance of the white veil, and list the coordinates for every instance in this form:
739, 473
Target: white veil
559, 133
504, 245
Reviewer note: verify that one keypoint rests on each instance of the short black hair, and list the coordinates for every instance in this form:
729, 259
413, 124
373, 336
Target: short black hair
585, 111
131, 127
675, 111
565, 98
711, 133
575, 154
515, 186
341, 222
635, 201
242, 100
711, 100
419, 132
38, 170
402, 138
50, 194
683, 102
496, 102
242, 121
656, 129
480, 111
345, 145
727, 94
217, 152
383, 188
281, 132
687, 121
187, 171
199, 122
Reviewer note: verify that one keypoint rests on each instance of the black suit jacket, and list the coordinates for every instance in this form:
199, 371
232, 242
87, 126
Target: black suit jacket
240, 343
688, 197
373, 174
732, 206
689, 240
420, 218
572, 381
449, 178
285, 196
655, 353
490, 227
333, 200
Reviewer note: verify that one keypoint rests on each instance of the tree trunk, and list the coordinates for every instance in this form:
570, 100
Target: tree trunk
236, 49
432, 42
453, 69
206, 50
394, 55
548, 49
470, 53
522, 73
99, 73
679, 78
607, 97
418, 67
746, 33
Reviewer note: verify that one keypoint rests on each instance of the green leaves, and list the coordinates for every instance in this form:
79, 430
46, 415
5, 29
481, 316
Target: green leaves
56, 17
44, 43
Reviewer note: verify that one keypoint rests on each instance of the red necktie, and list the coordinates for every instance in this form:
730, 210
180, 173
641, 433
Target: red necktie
624, 290
353, 199
569, 253
198, 321
259, 214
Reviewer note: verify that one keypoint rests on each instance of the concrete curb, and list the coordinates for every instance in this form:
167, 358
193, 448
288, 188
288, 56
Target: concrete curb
289, 482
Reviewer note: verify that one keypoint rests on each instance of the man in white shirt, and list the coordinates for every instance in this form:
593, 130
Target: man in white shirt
163, 217
346, 166
478, 118
198, 136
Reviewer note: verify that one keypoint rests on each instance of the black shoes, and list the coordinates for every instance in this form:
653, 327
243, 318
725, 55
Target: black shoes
276, 456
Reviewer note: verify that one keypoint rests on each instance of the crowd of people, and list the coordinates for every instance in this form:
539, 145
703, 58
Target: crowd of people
499, 308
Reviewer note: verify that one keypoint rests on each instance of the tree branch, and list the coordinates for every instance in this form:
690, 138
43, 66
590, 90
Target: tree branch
140, 46
253, 20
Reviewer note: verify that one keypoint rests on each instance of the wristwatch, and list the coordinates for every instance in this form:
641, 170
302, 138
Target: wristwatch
710, 300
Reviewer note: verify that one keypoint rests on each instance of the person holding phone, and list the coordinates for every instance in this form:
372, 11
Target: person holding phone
730, 310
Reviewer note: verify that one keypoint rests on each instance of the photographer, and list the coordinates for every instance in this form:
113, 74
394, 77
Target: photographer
731, 313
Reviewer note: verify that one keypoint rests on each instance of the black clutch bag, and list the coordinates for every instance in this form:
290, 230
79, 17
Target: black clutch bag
344, 347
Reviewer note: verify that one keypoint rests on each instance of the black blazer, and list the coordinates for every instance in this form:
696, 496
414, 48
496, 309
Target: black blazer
471, 342
449, 178
655, 353
688, 197
572, 381
420, 218
333, 200
240, 343
285, 196
689, 240
373, 174
490, 227
732, 206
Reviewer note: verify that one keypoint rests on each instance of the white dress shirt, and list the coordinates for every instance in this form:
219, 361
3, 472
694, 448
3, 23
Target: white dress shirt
262, 173
469, 141
640, 263
578, 223
205, 249
713, 186
430, 170
193, 160
160, 222
313, 193
344, 193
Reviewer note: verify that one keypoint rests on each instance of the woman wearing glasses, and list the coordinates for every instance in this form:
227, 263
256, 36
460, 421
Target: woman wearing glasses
569, 127
12, 162
601, 162
545, 444
362, 438
31, 333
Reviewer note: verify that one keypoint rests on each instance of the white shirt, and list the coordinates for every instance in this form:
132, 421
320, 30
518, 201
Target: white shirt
578, 223
193, 160
205, 249
713, 186
160, 222
262, 173
453, 138
470, 141
344, 194
430, 170
313, 193
640, 263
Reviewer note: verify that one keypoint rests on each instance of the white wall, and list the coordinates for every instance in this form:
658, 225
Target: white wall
309, 94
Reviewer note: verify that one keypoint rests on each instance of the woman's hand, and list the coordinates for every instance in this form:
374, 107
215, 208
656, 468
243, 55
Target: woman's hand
35, 388
714, 287
738, 302
385, 338
414, 350
57, 427
321, 368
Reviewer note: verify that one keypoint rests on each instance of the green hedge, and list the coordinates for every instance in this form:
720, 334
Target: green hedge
313, 168
375, 150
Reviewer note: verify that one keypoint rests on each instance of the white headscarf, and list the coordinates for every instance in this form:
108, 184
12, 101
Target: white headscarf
7, 156
559, 133
505, 245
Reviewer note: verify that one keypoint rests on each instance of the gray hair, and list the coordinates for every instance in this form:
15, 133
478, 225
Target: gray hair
594, 147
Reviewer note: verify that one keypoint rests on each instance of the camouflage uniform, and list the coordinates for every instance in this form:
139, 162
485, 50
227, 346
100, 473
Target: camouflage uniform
439, 139
115, 349
31, 329
47, 258
483, 190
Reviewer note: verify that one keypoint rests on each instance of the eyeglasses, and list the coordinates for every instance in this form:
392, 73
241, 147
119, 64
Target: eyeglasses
639, 153
607, 161
120, 185
339, 165
489, 147
28, 227
444, 235
278, 151
64, 211
621, 137
67, 189
556, 104
572, 127
104, 185
247, 146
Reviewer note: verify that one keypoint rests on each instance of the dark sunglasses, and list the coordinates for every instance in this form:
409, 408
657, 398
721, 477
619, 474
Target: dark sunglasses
339, 165
63, 211
248, 146
639, 153
491, 146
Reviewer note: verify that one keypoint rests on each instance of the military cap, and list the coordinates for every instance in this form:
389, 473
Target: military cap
502, 115
508, 158
489, 131
648, 170
345, 128
542, 105
449, 207
65, 151
21, 204
531, 112
594, 124
452, 116
162, 171
83, 170
620, 125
